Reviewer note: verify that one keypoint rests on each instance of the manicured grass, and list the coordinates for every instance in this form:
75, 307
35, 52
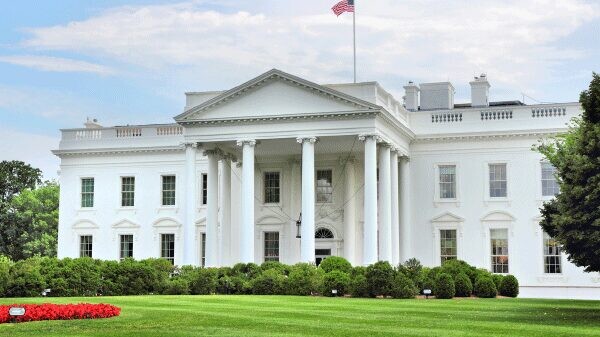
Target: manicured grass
316, 316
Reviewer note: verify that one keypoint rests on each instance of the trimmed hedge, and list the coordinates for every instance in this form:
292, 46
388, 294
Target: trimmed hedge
89, 277
509, 286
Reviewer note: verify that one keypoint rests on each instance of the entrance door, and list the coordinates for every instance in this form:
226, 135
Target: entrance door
320, 254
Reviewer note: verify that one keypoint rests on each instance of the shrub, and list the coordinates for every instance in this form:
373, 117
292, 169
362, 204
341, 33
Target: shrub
380, 277
485, 287
177, 286
280, 267
413, 269
25, 279
444, 286
428, 279
497, 279
403, 287
304, 279
203, 281
5, 264
359, 286
456, 267
335, 280
332, 263
463, 285
269, 282
247, 270
509, 286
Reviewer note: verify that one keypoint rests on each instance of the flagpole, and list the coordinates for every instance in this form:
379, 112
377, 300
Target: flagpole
354, 37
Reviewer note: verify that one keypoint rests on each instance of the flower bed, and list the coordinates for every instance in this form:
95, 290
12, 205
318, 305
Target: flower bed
48, 311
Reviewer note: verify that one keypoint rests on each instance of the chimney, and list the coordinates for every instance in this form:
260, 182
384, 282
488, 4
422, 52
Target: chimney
92, 124
411, 96
480, 91
437, 96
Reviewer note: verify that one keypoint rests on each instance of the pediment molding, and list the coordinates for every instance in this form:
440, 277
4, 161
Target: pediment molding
166, 222
447, 217
496, 216
191, 115
85, 224
125, 224
270, 220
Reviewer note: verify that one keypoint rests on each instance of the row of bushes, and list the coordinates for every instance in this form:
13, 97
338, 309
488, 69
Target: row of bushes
334, 277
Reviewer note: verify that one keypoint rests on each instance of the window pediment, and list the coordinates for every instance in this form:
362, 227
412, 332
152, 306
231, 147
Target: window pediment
498, 216
447, 217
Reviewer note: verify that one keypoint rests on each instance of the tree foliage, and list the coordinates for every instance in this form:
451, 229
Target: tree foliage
573, 216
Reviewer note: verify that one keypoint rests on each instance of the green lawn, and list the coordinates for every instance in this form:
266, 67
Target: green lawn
316, 316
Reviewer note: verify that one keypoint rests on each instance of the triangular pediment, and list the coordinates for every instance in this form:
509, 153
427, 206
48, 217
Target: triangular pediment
447, 218
125, 224
274, 93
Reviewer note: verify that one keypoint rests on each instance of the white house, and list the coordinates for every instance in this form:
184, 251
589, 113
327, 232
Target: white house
372, 178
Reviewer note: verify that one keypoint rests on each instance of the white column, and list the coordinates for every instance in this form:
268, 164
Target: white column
212, 210
395, 214
307, 244
350, 213
405, 248
190, 253
295, 209
385, 204
247, 227
370, 200
225, 200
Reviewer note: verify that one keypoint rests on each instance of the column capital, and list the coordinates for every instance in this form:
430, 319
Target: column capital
242, 142
307, 139
189, 144
364, 137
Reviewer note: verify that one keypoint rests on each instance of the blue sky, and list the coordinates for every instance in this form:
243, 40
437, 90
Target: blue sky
129, 62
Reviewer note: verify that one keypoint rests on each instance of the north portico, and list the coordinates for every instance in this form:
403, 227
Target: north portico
276, 118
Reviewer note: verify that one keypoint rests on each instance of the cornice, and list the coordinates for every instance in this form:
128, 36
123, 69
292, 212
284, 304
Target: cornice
489, 135
275, 118
110, 151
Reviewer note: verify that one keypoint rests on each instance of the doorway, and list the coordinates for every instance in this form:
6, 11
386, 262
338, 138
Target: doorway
321, 254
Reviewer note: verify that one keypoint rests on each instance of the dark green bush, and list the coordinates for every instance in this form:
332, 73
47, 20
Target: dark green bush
280, 267
428, 277
25, 279
335, 280
248, 270
203, 281
497, 280
413, 269
485, 287
456, 267
403, 287
380, 277
332, 263
359, 286
509, 286
177, 286
444, 286
304, 279
269, 282
463, 285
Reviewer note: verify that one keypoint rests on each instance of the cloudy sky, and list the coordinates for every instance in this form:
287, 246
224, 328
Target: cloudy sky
129, 62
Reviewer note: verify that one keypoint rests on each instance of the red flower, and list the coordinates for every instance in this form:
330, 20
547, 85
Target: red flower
48, 311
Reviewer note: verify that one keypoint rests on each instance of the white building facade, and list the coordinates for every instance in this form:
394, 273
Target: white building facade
370, 178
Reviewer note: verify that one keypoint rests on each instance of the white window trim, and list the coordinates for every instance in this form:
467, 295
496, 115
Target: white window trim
200, 190
540, 193
263, 243
168, 226
322, 168
79, 244
177, 191
119, 244
438, 224
135, 194
486, 193
262, 187
544, 277
488, 246
80, 185
436, 198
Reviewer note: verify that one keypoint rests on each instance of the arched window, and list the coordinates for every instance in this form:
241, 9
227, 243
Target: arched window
323, 233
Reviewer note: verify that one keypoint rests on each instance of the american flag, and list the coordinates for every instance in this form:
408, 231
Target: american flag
343, 6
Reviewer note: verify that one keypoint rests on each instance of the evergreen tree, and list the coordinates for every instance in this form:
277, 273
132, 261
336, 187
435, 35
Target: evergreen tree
573, 216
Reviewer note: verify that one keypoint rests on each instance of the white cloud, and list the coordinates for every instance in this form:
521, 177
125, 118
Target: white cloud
33, 149
515, 42
58, 64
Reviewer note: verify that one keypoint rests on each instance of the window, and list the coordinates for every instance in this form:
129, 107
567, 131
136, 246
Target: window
127, 191
549, 184
271, 246
168, 190
167, 247
272, 187
497, 180
203, 251
552, 249
87, 192
323, 233
324, 186
85, 246
448, 245
499, 244
126, 246
447, 181
204, 188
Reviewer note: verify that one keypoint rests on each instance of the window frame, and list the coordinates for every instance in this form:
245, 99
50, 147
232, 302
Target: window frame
558, 256
162, 191
121, 235
541, 180
162, 249
486, 186
90, 243
203, 249
82, 193
122, 193
437, 188
332, 170
491, 250
489, 171
203, 189
266, 257
264, 186
441, 255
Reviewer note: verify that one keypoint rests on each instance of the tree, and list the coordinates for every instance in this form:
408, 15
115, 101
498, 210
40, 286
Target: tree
16, 176
573, 216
